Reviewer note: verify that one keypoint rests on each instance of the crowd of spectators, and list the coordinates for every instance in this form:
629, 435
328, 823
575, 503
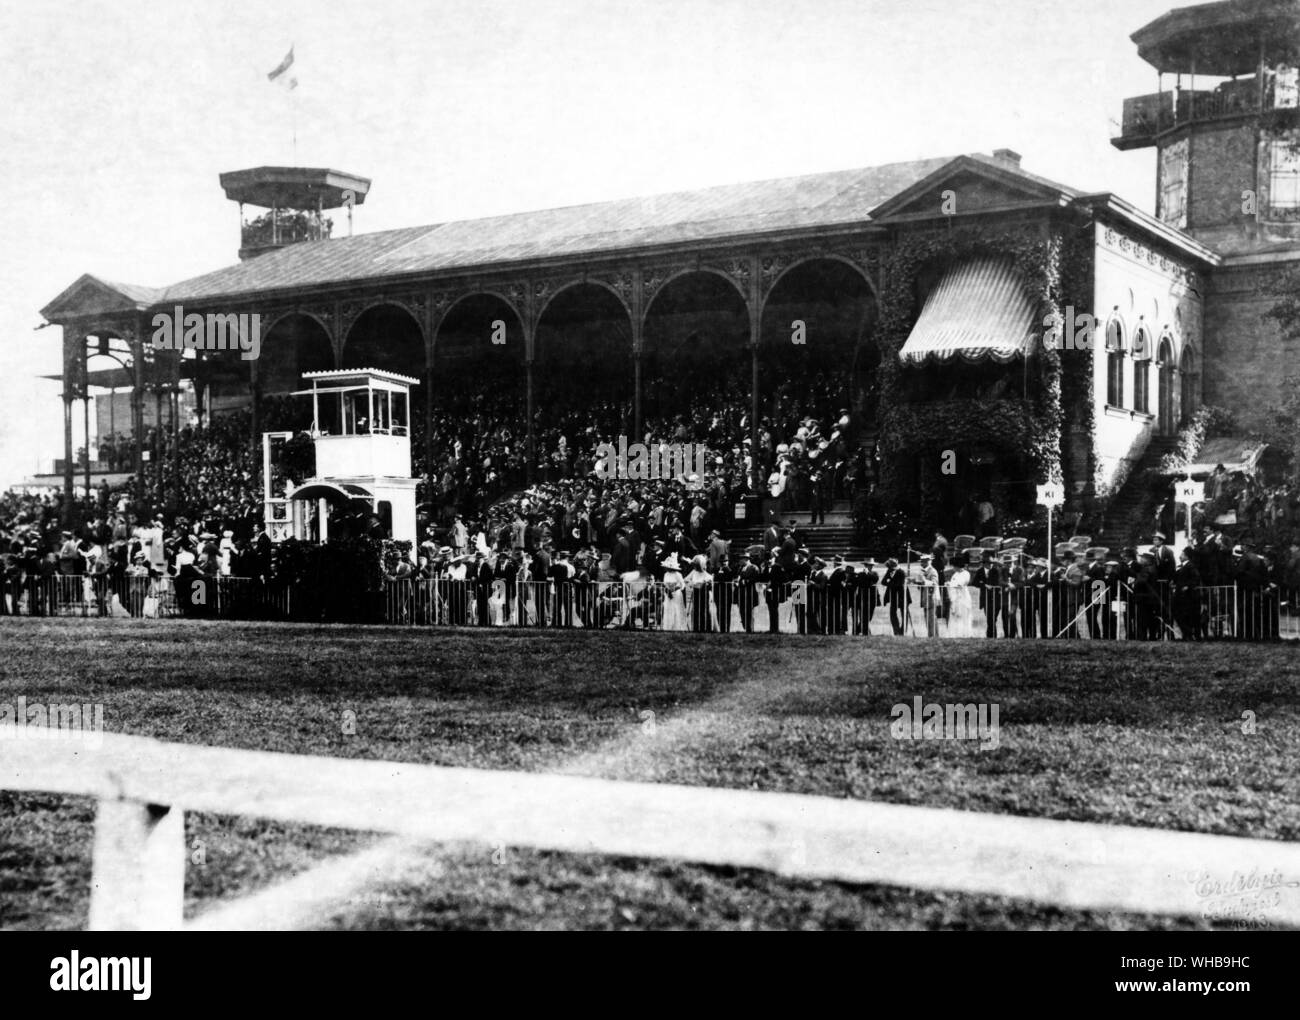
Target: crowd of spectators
807, 456
202, 508
109, 547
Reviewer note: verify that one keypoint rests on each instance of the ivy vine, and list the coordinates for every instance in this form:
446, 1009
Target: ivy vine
1055, 270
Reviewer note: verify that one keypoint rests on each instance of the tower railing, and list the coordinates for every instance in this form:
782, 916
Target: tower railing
1146, 116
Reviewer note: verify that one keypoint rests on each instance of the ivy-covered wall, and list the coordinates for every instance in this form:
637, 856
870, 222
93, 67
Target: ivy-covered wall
1043, 429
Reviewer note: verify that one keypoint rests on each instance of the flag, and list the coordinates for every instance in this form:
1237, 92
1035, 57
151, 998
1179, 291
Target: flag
281, 75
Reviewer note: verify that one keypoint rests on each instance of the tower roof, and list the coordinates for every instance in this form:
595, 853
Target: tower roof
294, 187
1223, 39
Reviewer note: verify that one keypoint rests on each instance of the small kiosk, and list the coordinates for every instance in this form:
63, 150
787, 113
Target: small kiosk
361, 430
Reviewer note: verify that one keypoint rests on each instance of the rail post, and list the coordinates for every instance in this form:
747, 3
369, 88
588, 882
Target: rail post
138, 876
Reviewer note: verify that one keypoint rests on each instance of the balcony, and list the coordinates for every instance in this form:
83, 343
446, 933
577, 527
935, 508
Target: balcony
1146, 117
282, 227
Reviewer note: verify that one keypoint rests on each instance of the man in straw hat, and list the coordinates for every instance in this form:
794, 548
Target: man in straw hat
1033, 598
1066, 587
929, 594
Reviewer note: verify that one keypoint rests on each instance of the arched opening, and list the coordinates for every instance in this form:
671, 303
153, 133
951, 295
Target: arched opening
1141, 371
697, 369
480, 340
335, 511
478, 429
386, 337
1165, 393
818, 376
1191, 386
696, 357
582, 379
295, 344
1115, 341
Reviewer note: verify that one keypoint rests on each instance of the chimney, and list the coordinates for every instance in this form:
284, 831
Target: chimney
1007, 156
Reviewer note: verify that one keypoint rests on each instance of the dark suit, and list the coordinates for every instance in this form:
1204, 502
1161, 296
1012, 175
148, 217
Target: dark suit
1187, 601
623, 560
724, 595
541, 571
563, 614
483, 577
1128, 571
1015, 581
837, 598
897, 595
1250, 575
1114, 593
1097, 607
750, 574
584, 591
1033, 603
1066, 587
1166, 565
940, 554
867, 596
778, 590
818, 583
988, 579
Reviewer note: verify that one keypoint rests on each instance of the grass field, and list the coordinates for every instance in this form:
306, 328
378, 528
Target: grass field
1147, 735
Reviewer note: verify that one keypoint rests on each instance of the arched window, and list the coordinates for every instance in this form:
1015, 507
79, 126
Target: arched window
1141, 370
1191, 385
1115, 363
1165, 391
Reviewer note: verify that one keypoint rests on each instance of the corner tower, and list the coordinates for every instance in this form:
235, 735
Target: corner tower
1224, 120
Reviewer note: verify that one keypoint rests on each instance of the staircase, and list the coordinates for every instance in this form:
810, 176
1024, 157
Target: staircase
1129, 516
835, 537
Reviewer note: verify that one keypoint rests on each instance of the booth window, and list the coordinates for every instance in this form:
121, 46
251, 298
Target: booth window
1284, 175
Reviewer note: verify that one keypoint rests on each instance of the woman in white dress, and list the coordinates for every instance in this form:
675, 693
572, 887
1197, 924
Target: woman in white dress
959, 614
699, 582
674, 597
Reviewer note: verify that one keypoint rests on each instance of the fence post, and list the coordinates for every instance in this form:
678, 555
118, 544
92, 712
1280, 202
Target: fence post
138, 873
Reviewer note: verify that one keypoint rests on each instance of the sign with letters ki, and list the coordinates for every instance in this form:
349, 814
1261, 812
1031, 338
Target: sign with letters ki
1051, 494
1189, 492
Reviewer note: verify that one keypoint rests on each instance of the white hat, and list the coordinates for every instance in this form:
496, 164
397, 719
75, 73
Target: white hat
671, 563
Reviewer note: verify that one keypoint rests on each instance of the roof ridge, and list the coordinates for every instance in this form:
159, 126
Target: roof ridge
796, 201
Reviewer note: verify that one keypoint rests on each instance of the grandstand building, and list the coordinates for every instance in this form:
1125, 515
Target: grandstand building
959, 303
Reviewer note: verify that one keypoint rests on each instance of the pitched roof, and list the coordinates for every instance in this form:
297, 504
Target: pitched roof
93, 294
842, 197
1004, 175
141, 295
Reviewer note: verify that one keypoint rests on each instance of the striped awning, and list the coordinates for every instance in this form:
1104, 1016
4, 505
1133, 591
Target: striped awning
979, 310
331, 492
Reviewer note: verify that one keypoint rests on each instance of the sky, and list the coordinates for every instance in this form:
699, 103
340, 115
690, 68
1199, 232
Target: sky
116, 118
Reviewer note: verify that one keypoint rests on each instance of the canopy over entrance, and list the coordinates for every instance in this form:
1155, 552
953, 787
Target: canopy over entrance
335, 493
1233, 454
978, 311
